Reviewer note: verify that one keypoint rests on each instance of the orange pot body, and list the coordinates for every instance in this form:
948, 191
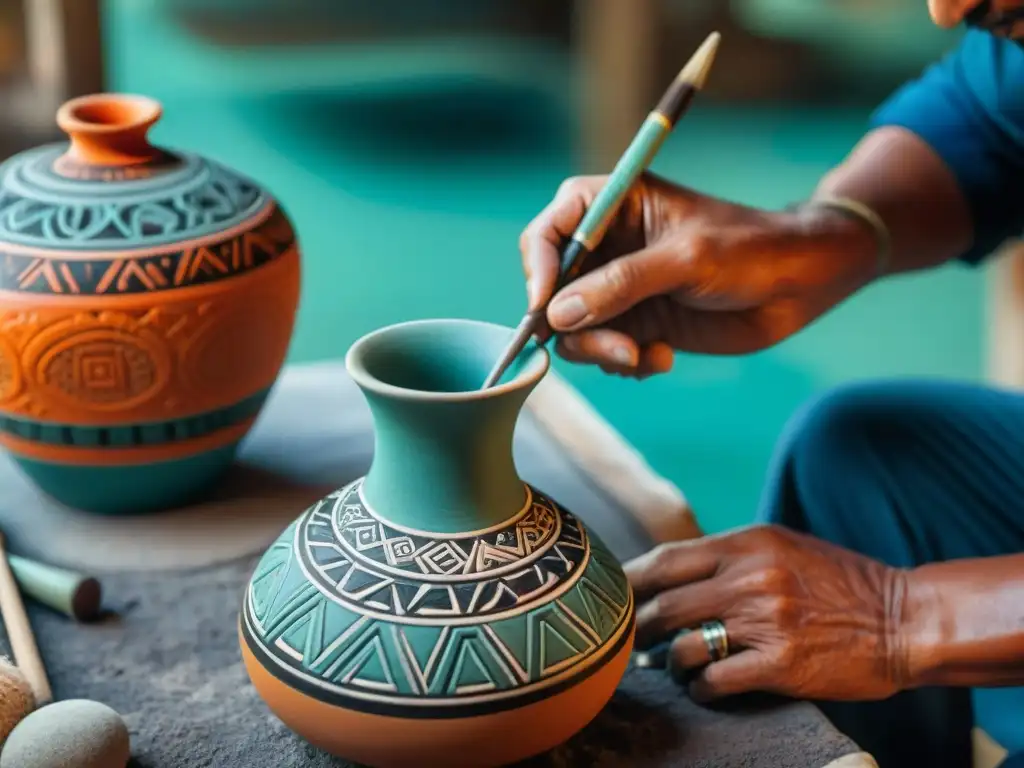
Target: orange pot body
147, 302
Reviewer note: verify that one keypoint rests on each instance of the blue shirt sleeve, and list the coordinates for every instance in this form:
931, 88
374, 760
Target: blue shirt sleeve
969, 108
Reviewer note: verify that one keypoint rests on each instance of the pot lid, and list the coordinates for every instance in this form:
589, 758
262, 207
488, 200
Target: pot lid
110, 189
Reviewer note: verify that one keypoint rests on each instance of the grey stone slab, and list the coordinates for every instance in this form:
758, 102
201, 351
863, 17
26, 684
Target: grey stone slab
169, 662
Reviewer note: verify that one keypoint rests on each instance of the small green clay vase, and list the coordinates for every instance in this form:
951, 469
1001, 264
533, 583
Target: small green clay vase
439, 611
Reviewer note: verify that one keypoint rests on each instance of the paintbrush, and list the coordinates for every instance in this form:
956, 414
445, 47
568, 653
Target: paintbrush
637, 157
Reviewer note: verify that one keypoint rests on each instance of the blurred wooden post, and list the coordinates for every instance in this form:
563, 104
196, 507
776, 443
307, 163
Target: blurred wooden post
43, 42
64, 50
1005, 308
616, 42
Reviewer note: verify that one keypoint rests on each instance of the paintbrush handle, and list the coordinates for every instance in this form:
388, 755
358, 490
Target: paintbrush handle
599, 215
19, 633
592, 228
640, 153
631, 166
574, 256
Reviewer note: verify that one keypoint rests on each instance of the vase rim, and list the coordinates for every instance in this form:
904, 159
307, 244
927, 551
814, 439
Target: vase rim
99, 113
528, 377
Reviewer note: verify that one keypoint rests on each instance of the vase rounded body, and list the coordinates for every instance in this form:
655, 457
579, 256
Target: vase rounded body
438, 611
147, 301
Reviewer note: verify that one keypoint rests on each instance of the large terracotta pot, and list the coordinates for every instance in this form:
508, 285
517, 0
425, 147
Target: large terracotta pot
147, 300
439, 611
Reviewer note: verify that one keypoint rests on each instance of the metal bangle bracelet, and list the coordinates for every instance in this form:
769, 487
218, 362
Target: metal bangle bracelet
855, 209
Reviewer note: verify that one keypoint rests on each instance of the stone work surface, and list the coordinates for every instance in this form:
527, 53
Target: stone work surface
168, 660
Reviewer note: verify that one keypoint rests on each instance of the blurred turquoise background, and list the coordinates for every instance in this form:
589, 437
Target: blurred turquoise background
410, 169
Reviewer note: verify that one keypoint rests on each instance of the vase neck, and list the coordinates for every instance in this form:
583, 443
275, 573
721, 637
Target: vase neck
444, 467
443, 448
108, 136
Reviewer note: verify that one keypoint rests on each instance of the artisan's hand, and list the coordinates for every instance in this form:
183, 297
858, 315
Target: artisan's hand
681, 271
804, 618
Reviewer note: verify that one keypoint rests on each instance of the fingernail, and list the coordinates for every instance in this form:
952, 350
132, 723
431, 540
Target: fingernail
568, 312
571, 344
622, 355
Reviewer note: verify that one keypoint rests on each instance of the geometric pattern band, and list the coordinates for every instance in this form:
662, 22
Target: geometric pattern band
159, 433
357, 612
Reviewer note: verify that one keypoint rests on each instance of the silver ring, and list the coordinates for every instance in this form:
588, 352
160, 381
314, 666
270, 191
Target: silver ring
716, 639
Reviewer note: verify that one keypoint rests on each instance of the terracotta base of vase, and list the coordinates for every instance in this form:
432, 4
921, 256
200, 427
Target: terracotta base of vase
482, 741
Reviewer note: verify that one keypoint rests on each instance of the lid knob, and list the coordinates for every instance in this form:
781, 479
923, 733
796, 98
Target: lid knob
109, 130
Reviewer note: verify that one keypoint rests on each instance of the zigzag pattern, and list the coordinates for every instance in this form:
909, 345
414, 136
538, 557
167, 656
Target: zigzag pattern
305, 626
140, 274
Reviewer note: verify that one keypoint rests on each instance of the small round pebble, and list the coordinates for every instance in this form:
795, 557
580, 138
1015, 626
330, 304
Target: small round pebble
16, 699
69, 734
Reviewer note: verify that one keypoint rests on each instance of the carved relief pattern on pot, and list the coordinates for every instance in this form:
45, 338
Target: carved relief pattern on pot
145, 365
107, 361
10, 376
367, 540
374, 568
404, 634
202, 197
190, 265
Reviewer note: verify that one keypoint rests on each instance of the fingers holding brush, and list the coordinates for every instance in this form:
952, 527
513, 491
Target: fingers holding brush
541, 243
607, 214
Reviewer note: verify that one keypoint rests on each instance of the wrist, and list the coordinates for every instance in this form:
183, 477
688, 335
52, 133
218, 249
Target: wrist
853, 245
918, 622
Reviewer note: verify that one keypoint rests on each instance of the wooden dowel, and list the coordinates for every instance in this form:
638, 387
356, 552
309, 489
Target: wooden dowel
19, 632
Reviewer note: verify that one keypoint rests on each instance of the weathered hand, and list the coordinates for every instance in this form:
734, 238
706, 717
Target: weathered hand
678, 270
804, 618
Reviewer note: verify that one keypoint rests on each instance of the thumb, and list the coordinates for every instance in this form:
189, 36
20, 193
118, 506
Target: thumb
599, 296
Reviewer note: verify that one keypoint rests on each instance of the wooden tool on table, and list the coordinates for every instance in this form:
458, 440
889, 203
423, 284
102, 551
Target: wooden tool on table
631, 165
19, 632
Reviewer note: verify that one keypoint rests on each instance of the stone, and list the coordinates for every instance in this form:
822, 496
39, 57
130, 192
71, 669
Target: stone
69, 734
